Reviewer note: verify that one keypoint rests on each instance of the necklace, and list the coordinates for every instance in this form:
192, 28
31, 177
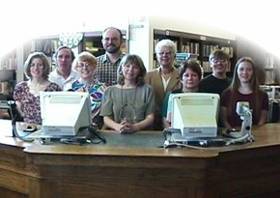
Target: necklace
127, 112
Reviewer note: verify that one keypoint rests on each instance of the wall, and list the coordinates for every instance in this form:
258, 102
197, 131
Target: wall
261, 58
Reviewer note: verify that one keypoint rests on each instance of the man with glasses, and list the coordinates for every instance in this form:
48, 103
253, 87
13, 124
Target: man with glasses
218, 81
108, 63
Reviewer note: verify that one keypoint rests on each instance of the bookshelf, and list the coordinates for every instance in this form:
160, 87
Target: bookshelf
47, 45
8, 66
91, 41
200, 46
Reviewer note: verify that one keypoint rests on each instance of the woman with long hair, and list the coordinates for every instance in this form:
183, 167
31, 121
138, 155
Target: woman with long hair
244, 88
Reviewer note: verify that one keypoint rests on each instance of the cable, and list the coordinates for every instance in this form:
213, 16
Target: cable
92, 136
16, 134
12, 109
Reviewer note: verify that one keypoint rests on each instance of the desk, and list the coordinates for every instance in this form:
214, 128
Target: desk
139, 168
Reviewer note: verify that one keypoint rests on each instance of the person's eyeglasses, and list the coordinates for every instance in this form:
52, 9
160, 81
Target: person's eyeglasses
83, 65
218, 61
164, 53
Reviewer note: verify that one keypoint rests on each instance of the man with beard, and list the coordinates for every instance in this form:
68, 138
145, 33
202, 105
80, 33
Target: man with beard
108, 63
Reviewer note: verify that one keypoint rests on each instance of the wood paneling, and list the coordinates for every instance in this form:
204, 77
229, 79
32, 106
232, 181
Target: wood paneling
132, 170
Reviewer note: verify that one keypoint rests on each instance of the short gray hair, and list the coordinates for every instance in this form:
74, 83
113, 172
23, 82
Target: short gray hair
166, 43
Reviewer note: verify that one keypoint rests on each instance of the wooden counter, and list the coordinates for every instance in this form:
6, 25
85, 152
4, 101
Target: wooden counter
136, 166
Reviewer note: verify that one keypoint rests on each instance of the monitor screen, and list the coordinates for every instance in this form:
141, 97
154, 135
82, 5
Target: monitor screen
195, 114
64, 113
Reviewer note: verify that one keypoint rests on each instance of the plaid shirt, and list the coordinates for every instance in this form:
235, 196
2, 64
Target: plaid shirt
106, 71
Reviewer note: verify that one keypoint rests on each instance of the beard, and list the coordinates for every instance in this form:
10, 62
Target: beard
112, 49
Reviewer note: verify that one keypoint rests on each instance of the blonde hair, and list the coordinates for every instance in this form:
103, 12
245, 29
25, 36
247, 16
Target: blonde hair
85, 57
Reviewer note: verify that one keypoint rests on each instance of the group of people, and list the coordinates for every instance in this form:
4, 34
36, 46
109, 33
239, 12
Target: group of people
125, 97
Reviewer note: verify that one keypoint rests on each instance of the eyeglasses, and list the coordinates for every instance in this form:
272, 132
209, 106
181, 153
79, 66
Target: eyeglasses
83, 65
164, 53
215, 61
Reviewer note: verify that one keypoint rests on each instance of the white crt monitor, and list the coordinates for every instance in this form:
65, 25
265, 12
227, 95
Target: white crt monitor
64, 113
195, 114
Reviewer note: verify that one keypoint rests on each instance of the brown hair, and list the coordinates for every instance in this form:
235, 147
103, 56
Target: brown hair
133, 59
254, 83
219, 54
46, 64
65, 47
113, 28
192, 65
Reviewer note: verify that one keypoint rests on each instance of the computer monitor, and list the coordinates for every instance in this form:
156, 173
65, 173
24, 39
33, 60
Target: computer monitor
195, 114
64, 113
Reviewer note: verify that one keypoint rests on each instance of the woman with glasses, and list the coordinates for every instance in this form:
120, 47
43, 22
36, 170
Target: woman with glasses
244, 88
85, 64
218, 81
129, 106
27, 93
165, 78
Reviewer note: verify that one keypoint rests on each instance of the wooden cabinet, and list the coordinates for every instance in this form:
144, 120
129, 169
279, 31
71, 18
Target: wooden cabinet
137, 166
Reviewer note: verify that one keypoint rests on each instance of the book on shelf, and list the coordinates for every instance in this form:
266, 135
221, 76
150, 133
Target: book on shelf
228, 50
206, 67
208, 49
